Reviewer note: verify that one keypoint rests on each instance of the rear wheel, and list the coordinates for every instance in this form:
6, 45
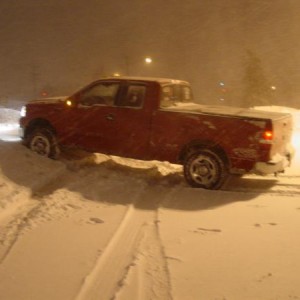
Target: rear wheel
43, 142
205, 169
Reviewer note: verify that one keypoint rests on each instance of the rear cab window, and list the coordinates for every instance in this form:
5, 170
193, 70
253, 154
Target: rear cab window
175, 95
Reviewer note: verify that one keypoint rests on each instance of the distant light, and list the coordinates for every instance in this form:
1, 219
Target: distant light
222, 99
9, 132
116, 74
221, 83
44, 94
4, 127
148, 60
273, 88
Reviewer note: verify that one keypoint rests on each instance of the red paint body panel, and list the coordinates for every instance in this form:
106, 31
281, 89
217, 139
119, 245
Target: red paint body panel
149, 132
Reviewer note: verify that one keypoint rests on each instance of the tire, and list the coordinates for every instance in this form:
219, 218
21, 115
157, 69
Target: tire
205, 169
43, 142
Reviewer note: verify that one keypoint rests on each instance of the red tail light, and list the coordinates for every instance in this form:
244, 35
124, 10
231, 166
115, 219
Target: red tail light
268, 135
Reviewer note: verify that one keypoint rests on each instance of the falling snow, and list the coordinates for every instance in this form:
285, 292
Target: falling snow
90, 226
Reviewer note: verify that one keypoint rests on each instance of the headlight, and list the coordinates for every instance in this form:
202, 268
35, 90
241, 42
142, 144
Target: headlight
23, 111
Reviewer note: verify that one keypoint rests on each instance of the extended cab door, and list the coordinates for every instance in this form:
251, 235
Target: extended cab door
112, 118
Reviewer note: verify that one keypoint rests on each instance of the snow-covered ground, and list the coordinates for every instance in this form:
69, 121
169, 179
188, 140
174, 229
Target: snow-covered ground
97, 227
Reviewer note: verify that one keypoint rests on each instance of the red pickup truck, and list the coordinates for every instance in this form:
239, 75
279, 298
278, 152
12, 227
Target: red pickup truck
157, 119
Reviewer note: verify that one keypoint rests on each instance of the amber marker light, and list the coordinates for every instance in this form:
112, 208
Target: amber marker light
69, 103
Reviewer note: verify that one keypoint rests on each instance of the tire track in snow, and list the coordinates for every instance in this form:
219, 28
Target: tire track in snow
31, 215
129, 246
283, 185
15, 227
22, 206
149, 276
17, 218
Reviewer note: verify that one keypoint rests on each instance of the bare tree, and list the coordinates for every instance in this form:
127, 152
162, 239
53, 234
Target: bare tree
256, 87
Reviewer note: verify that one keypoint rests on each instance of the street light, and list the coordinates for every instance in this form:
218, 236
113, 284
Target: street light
148, 60
129, 63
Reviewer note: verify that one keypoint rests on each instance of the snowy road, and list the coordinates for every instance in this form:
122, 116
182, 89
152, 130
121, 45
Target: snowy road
97, 227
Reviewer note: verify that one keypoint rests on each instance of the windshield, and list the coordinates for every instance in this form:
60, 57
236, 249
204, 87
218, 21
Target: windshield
175, 94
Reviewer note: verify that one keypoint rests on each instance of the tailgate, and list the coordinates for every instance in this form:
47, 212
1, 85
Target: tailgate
282, 133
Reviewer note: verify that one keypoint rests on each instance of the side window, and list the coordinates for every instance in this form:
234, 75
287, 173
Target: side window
134, 96
100, 94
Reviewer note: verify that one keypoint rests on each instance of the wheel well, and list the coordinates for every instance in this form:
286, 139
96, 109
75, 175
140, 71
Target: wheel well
198, 145
38, 123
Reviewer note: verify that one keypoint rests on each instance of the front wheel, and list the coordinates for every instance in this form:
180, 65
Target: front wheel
43, 142
205, 169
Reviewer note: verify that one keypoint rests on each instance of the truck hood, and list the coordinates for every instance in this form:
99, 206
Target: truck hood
52, 100
226, 111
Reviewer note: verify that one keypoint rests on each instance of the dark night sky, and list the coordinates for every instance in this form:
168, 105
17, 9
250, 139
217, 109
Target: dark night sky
60, 45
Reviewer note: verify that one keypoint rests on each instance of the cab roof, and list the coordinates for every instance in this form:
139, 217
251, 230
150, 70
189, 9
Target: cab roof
152, 79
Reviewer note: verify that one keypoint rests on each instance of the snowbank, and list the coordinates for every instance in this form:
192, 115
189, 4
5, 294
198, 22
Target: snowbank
102, 227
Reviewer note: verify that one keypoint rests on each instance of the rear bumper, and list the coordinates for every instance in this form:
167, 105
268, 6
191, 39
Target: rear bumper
277, 165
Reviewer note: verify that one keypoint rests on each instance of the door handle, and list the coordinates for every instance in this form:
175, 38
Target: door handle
110, 117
